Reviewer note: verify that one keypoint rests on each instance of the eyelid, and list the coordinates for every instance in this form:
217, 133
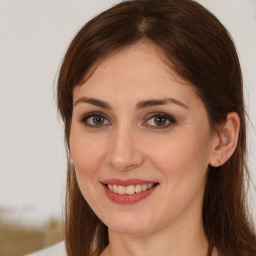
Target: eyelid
91, 114
169, 117
171, 120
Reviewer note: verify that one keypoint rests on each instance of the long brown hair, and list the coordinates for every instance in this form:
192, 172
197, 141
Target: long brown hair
200, 50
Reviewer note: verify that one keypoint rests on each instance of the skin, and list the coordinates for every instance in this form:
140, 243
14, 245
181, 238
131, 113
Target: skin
131, 144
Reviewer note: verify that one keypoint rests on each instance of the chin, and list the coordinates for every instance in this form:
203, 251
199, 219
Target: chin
129, 230
130, 226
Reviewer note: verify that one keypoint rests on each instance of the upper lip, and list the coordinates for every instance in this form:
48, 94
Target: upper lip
128, 182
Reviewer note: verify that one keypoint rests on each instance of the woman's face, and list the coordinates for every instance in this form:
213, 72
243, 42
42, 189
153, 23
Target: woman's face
136, 125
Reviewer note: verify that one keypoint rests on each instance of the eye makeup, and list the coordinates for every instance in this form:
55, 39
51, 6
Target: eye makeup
155, 120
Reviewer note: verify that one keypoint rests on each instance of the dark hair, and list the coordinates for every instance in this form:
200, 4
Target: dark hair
200, 50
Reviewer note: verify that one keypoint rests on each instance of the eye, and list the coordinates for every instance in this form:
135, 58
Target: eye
160, 120
95, 120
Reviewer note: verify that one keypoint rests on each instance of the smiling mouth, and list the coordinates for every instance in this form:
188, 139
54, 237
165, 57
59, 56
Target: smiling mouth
131, 189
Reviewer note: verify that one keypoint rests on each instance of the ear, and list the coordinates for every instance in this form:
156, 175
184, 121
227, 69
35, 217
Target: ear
225, 142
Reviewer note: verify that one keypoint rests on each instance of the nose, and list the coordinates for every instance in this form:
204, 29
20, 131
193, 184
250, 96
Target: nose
124, 152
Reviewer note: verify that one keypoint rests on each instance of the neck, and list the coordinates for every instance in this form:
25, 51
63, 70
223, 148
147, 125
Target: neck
177, 239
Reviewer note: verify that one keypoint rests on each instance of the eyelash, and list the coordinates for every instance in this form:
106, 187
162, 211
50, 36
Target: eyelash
86, 117
171, 120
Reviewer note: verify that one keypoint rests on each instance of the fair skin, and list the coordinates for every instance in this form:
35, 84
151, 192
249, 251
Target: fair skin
121, 135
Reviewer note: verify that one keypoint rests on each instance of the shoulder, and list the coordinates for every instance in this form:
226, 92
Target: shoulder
55, 250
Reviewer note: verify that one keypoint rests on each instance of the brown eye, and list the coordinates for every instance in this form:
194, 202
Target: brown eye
160, 121
98, 120
94, 120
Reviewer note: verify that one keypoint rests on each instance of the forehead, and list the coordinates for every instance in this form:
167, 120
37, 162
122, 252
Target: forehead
138, 70
146, 55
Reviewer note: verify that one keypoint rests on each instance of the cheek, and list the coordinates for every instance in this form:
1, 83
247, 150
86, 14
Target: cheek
183, 164
87, 160
84, 156
184, 159
86, 153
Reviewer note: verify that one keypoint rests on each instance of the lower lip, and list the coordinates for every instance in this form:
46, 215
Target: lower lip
128, 199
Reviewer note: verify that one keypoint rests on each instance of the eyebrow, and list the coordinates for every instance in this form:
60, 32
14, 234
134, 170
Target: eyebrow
93, 101
139, 105
156, 102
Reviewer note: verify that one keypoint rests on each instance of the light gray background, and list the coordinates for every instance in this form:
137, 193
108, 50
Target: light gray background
33, 38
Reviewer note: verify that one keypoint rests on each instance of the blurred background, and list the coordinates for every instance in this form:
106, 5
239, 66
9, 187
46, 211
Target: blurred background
33, 38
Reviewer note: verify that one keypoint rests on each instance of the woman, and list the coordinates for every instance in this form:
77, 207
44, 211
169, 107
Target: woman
151, 96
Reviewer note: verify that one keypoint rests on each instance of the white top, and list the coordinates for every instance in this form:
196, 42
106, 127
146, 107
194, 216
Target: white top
59, 250
55, 250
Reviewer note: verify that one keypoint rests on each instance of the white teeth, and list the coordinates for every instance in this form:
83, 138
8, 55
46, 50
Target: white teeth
150, 186
121, 190
115, 188
138, 188
144, 187
129, 190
